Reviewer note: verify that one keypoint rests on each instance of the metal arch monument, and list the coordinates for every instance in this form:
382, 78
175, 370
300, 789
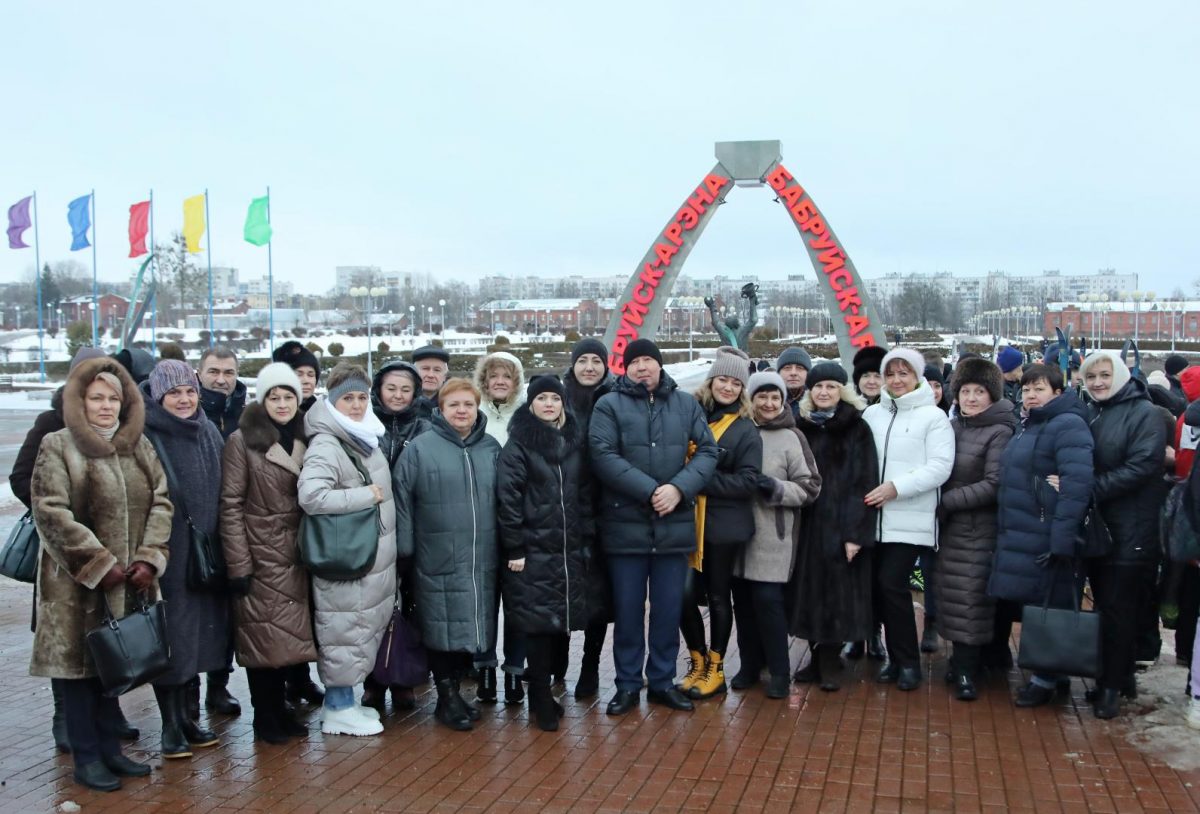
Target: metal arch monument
640, 308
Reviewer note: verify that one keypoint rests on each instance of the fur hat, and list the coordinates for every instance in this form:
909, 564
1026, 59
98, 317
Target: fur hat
909, 356
794, 356
589, 344
296, 355
867, 360
545, 383
642, 347
1175, 364
730, 362
169, 374
277, 374
981, 372
826, 372
1009, 359
765, 379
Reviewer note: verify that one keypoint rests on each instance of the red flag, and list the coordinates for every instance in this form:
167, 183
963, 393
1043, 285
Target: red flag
139, 225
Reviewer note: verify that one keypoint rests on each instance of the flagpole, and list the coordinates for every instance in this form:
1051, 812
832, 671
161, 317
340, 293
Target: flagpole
270, 281
37, 260
208, 237
95, 284
154, 284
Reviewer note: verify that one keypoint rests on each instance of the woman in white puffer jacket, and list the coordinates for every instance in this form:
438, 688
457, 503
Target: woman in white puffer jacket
915, 444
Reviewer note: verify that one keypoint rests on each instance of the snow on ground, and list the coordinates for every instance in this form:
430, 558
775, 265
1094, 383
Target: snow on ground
36, 400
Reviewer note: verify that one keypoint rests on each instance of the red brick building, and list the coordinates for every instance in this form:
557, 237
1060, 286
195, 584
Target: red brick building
79, 309
1114, 321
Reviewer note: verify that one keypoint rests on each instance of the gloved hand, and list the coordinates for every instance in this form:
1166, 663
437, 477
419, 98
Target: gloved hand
114, 577
140, 575
239, 586
766, 486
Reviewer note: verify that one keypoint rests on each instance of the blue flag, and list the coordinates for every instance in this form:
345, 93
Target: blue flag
80, 218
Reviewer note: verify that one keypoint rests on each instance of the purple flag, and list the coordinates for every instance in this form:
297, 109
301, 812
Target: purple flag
18, 222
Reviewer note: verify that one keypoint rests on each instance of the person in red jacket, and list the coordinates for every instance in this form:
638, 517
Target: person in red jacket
1187, 438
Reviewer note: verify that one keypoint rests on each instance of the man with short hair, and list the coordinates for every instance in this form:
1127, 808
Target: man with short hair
222, 394
793, 366
639, 440
433, 363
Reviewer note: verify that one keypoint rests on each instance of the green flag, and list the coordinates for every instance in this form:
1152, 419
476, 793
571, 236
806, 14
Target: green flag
258, 222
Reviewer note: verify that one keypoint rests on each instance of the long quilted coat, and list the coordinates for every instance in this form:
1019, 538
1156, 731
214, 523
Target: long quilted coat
968, 539
544, 511
446, 522
351, 616
1033, 518
638, 441
260, 518
96, 503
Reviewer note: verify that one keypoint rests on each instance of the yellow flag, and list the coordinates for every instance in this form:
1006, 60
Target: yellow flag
193, 222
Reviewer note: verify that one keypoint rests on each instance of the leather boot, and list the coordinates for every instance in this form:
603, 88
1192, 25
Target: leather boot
541, 704
588, 684
170, 708
58, 723
1107, 704
266, 718
300, 686
514, 690
713, 681
875, 648
374, 694
471, 711
191, 699
216, 695
485, 691
97, 776
195, 734
285, 713
698, 661
403, 697
125, 730
828, 665
449, 709
562, 659
929, 638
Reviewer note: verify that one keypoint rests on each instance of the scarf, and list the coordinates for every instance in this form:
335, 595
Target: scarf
719, 421
106, 434
819, 417
365, 434
287, 435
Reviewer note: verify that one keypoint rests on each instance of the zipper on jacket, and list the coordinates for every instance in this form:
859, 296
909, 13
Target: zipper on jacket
474, 545
887, 440
562, 502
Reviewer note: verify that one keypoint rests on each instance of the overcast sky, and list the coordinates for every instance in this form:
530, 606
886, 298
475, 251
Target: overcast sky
558, 138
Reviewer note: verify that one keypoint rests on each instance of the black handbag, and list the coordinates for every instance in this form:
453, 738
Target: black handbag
20, 556
1179, 536
1060, 641
1094, 538
341, 547
130, 651
206, 569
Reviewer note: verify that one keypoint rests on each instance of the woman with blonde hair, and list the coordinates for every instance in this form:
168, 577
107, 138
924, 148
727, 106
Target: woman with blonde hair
724, 519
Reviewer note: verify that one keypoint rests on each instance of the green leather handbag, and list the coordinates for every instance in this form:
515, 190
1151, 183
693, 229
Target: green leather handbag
341, 547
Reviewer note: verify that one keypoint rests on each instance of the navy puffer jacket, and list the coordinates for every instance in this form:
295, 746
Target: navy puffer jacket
1033, 518
639, 441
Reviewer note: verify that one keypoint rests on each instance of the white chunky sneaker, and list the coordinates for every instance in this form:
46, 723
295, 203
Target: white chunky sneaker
368, 712
348, 721
1193, 713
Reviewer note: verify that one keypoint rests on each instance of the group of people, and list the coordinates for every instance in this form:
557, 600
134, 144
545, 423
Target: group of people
791, 500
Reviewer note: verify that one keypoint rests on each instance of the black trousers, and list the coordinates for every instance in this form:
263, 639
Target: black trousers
267, 689
541, 652
92, 719
894, 605
1189, 610
762, 626
965, 659
445, 665
1119, 592
718, 588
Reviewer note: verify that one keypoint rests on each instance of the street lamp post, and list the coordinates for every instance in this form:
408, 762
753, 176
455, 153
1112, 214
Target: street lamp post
442, 305
412, 331
18, 317
429, 309
368, 297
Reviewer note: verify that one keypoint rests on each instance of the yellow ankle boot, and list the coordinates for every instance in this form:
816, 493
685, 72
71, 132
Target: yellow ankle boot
693, 673
712, 682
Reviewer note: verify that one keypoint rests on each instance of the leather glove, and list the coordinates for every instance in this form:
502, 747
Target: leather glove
239, 586
140, 576
114, 577
766, 486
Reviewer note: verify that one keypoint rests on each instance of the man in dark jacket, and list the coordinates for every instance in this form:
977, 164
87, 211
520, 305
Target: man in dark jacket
433, 363
222, 394
793, 366
640, 438
1010, 361
1173, 366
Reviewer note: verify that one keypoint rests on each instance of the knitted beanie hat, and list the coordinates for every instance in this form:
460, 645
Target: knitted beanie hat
825, 372
544, 383
909, 356
1175, 364
730, 362
296, 355
765, 380
642, 347
589, 344
1009, 359
347, 378
169, 374
794, 356
277, 374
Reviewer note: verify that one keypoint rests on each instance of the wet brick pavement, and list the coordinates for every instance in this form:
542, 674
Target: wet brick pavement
866, 748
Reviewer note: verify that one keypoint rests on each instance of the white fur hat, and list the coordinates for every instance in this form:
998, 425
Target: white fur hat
277, 374
909, 356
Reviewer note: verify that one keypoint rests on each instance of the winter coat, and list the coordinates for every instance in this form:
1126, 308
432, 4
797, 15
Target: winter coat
400, 428
1032, 518
222, 410
1129, 488
582, 400
639, 440
730, 491
770, 555
22, 472
829, 599
1012, 393
351, 616
499, 413
967, 543
446, 522
198, 622
97, 504
915, 446
260, 521
544, 511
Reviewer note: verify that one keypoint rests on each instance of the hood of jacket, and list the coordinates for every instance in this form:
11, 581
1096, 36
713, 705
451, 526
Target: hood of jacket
1000, 412
921, 397
132, 415
1189, 380
394, 366
553, 444
1065, 402
518, 393
1133, 390
441, 426
627, 386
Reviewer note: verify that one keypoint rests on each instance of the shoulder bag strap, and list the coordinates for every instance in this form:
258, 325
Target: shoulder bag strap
170, 472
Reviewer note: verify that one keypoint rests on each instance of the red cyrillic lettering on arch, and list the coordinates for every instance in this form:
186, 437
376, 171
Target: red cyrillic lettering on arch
643, 298
802, 210
674, 233
650, 275
857, 325
665, 253
778, 178
791, 195
822, 242
688, 216
839, 278
633, 313
832, 260
714, 183
848, 297
815, 225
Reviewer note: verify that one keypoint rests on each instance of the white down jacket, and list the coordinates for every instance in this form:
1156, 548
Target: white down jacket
915, 444
350, 617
